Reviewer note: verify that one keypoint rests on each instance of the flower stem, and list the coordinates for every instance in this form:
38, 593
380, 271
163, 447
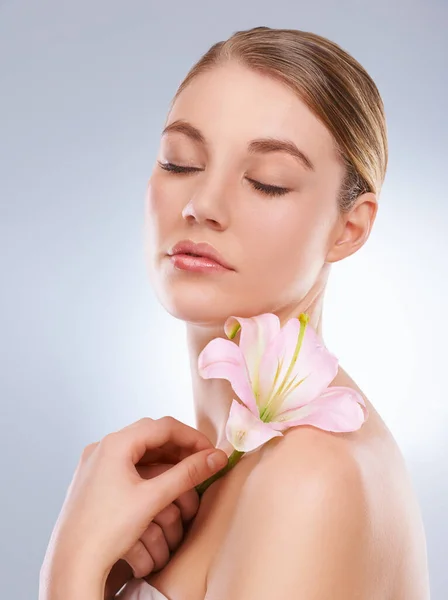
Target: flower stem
233, 459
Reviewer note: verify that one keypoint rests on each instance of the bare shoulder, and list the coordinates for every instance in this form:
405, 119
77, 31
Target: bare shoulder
304, 511
326, 511
308, 460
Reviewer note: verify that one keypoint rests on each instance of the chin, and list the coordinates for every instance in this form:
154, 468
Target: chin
199, 302
207, 300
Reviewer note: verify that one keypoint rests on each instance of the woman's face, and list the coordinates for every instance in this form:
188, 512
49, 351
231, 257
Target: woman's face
276, 243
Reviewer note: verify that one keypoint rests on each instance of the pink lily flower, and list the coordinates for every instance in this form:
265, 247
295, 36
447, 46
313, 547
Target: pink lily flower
281, 377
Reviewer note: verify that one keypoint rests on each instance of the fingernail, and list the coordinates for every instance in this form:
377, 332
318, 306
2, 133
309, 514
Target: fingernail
217, 460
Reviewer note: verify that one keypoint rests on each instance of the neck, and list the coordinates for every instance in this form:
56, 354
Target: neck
212, 398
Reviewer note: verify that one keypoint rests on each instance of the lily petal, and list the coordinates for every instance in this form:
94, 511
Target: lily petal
276, 360
223, 359
256, 335
245, 431
338, 409
315, 365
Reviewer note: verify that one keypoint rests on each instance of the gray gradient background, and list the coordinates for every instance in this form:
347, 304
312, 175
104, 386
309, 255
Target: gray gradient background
85, 347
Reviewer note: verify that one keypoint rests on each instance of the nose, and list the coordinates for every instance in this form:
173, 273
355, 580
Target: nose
208, 206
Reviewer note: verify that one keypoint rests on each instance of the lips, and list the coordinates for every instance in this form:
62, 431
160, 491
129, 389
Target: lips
201, 249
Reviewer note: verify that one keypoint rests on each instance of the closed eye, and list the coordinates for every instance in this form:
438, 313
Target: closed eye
177, 168
268, 190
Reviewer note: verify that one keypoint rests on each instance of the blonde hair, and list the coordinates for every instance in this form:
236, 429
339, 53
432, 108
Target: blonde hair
334, 86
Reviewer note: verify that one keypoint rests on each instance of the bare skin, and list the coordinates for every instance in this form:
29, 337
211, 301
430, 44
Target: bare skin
398, 554
281, 249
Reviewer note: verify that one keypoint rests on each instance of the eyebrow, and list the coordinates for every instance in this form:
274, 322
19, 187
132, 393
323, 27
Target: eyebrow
261, 146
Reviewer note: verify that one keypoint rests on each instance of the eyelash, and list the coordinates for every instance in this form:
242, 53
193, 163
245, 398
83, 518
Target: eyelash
268, 190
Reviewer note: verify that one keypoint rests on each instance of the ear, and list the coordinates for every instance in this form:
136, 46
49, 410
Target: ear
354, 228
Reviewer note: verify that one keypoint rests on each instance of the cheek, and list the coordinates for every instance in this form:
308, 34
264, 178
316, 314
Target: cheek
158, 223
160, 210
290, 251
155, 199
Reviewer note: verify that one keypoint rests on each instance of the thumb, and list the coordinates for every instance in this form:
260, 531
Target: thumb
185, 475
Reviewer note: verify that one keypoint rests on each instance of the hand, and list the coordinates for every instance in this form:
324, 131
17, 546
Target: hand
109, 506
156, 545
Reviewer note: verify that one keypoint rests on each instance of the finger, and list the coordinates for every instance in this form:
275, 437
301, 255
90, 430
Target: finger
170, 522
150, 471
184, 476
167, 453
139, 559
156, 545
188, 502
159, 455
147, 434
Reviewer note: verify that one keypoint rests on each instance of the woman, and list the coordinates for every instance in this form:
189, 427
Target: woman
274, 153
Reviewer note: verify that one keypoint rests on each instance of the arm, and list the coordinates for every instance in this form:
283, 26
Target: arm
108, 506
300, 531
70, 581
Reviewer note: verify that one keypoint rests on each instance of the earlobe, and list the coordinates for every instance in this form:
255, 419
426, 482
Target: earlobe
337, 252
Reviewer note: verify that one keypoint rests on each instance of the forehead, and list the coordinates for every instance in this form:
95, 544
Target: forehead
234, 104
